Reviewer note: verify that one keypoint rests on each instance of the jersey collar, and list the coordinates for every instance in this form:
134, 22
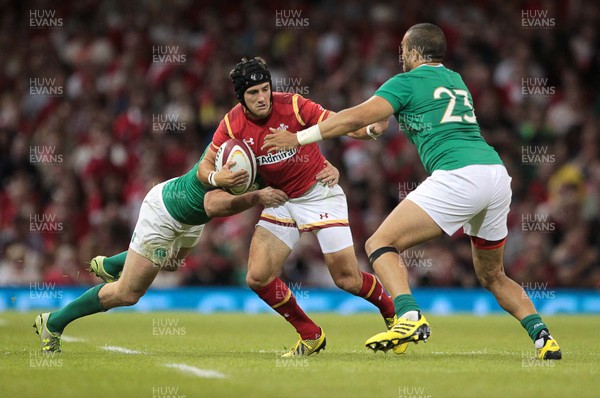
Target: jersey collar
431, 66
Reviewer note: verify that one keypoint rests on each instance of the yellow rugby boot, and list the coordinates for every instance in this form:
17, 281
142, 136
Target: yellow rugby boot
307, 347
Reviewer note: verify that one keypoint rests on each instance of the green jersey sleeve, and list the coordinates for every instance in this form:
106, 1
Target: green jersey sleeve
434, 109
396, 92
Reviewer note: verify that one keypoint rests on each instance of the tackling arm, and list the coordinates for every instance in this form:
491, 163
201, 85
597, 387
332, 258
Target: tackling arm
218, 203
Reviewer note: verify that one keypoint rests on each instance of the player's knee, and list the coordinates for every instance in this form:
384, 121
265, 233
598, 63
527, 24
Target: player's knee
489, 279
129, 298
348, 282
255, 281
374, 243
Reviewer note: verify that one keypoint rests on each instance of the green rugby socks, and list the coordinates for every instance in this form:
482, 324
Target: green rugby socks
114, 264
86, 304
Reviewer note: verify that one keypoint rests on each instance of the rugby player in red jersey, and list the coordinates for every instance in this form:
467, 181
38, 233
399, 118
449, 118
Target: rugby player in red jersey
312, 206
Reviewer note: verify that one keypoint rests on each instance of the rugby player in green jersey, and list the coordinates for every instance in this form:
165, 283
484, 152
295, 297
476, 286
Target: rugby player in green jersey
169, 225
468, 186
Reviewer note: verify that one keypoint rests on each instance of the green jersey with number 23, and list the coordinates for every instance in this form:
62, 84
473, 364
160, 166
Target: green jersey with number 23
435, 111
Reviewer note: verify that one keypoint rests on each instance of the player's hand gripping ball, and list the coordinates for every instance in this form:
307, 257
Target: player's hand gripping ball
237, 150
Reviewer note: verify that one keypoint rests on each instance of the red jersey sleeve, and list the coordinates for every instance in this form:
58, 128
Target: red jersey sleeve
222, 134
310, 112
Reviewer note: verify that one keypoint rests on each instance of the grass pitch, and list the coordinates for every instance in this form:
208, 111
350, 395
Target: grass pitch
184, 355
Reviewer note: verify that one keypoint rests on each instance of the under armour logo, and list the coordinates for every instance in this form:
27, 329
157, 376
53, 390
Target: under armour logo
249, 141
324, 215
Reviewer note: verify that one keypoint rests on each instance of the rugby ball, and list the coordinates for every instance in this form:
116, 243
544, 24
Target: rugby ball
237, 150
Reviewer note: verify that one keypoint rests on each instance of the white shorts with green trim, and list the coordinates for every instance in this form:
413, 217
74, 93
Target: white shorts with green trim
158, 236
475, 197
321, 210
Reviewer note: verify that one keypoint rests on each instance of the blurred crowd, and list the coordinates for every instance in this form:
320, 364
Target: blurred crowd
100, 100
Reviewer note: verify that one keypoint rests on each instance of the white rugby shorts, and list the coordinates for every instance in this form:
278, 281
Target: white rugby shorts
158, 236
321, 210
475, 197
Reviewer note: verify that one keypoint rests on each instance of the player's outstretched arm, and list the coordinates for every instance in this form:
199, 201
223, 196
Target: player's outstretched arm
218, 203
224, 178
370, 132
371, 111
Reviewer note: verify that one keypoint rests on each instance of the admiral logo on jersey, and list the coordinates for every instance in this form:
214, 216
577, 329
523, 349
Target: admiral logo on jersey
275, 157
279, 156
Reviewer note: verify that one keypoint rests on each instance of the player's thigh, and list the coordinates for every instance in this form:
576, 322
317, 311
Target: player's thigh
188, 237
138, 273
406, 226
156, 230
275, 236
267, 254
338, 250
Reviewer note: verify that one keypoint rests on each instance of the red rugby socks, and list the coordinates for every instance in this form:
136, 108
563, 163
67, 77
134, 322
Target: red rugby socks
372, 290
279, 297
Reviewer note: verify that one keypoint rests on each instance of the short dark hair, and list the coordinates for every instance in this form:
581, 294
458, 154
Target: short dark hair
429, 40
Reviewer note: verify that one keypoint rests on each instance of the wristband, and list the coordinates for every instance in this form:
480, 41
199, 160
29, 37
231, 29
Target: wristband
309, 135
211, 178
370, 134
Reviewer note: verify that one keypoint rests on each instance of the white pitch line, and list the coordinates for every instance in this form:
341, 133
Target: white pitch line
460, 353
71, 339
121, 350
204, 373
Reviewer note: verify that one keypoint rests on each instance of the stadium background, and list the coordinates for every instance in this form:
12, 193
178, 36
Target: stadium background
102, 100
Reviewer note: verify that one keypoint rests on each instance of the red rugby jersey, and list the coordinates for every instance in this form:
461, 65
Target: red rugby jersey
291, 171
